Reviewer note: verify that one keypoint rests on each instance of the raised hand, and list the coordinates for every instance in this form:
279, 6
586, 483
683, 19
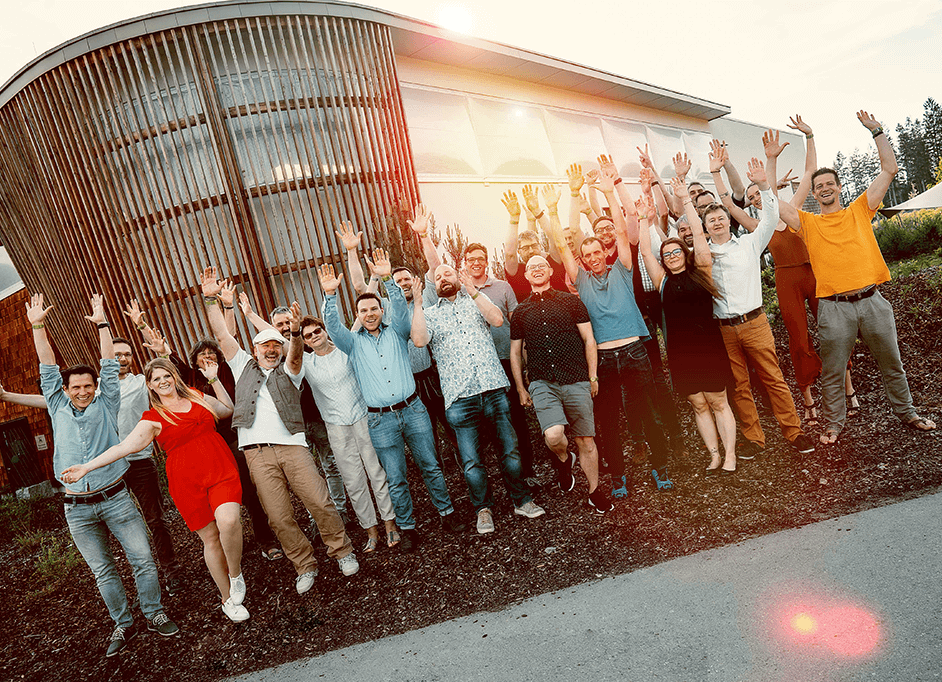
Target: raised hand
531, 199
718, 155
584, 206
349, 237
645, 158
679, 187
592, 177
607, 166
418, 284
867, 121
296, 315
645, 207
210, 283
607, 178
576, 179
755, 171
98, 310
464, 278
509, 200
682, 164
157, 343
423, 218
380, 265
797, 124
770, 141
551, 195
135, 314
329, 281
208, 369
646, 178
785, 180
35, 312
245, 305
227, 293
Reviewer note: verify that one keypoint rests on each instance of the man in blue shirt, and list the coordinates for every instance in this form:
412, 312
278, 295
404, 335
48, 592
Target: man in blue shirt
380, 356
626, 380
84, 425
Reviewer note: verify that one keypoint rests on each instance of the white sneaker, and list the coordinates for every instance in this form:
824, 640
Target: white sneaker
236, 612
349, 565
485, 521
530, 509
237, 589
305, 581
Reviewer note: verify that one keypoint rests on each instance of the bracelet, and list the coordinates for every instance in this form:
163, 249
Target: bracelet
724, 194
141, 327
386, 278
295, 333
421, 234
574, 194
540, 215
102, 325
687, 201
617, 182
212, 381
594, 379
210, 300
714, 172
39, 326
228, 307
475, 295
877, 132
809, 136
655, 182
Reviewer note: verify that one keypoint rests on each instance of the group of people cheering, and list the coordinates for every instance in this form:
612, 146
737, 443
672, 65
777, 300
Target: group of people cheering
572, 332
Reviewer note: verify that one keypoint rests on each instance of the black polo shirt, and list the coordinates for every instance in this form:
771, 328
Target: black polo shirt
521, 285
546, 322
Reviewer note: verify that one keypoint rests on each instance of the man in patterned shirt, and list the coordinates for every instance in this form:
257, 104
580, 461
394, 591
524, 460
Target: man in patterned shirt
561, 362
474, 385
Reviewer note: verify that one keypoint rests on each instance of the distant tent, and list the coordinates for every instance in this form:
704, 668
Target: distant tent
931, 198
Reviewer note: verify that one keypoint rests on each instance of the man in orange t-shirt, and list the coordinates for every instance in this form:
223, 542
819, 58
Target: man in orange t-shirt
848, 266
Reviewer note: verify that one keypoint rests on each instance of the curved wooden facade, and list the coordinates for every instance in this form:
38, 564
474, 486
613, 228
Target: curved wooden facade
239, 142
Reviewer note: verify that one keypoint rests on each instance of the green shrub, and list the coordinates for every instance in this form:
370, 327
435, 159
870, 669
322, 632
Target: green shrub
30, 541
769, 295
56, 560
23, 517
909, 234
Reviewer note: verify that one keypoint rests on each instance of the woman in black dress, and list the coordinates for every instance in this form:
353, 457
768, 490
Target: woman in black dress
696, 355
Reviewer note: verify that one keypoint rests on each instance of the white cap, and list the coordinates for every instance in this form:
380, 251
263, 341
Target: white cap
268, 335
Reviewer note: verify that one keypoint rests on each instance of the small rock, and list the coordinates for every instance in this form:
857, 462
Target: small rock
549, 550
823, 481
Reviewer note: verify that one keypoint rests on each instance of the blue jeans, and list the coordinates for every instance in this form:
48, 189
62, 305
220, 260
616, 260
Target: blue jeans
626, 386
88, 524
390, 431
467, 416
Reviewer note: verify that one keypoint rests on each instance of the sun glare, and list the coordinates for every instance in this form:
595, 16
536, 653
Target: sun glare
804, 624
845, 630
455, 18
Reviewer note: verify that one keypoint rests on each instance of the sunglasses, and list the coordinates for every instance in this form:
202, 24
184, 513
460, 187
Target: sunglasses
311, 335
674, 252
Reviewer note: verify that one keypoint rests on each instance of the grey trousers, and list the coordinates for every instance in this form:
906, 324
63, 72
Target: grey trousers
838, 325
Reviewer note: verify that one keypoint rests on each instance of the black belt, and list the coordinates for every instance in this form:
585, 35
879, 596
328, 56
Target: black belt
100, 496
259, 446
850, 298
740, 319
397, 406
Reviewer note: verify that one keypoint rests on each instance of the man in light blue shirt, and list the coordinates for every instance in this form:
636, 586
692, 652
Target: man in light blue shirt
474, 385
380, 357
85, 424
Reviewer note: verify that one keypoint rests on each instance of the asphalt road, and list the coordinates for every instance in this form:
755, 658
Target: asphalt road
853, 598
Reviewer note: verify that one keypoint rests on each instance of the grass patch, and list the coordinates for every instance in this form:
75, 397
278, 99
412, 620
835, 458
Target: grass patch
23, 517
909, 266
54, 564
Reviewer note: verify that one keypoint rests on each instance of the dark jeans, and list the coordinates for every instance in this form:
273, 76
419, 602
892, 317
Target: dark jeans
626, 386
141, 478
263, 532
518, 417
429, 386
469, 417
650, 306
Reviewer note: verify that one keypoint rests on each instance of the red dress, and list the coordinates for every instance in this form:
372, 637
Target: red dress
201, 470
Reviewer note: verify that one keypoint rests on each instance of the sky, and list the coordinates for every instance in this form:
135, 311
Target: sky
824, 60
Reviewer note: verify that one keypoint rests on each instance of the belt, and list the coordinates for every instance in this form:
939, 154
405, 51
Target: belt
259, 446
100, 496
740, 319
397, 406
850, 298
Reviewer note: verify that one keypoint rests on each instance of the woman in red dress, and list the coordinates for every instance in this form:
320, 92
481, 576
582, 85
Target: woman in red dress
201, 471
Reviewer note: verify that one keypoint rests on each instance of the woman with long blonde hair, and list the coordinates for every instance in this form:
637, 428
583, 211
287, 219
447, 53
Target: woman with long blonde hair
201, 471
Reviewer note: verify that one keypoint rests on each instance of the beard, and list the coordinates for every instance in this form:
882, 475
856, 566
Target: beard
447, 288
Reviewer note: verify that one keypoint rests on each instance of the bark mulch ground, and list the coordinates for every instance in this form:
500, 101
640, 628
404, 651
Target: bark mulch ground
62, 631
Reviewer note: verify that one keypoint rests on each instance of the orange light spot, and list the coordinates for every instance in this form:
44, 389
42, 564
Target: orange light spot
804, 624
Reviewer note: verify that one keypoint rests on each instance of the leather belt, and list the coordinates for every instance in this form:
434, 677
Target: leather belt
100, 496
396, 407
259, 446
740, 319
850, 298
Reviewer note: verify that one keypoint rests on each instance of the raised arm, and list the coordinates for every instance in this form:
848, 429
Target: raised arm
576, 181
339, 333
531, 198
681, 168
419, 331
719, 158
222, 402
735, 182
293, 361
25, 399
227, 299
649, 189
702, 256
217, 322
490, 312
99, 319
565, 255
551, 197
350, 239
888, 166
645, 209
142, 436
606, 186
770, 214
36, 314
510, 202
421, 225
811, 161
256, 320
624, 198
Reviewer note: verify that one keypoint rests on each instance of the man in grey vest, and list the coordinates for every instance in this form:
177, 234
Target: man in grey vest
270, 425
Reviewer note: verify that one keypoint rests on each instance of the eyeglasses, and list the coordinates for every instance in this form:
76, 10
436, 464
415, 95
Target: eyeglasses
312, 334
606, 227
538, 266
674, 252
476, 260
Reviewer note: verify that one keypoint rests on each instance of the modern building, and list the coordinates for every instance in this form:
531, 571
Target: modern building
240, 133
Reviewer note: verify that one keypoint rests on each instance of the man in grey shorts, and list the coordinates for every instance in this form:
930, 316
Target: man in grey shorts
561, 364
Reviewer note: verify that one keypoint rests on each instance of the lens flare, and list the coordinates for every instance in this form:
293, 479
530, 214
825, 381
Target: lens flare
846, 630
804, 624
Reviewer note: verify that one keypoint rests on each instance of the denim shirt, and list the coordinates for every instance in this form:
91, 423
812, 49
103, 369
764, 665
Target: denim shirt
82, 435
381, 363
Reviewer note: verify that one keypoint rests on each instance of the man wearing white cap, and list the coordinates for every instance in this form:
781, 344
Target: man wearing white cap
270, 424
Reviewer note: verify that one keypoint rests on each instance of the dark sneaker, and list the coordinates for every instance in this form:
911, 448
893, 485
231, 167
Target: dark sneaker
599, 503
453, 523
564, 477
162, 625
409, 542
174, 585
803, 444
119, 639
748, 450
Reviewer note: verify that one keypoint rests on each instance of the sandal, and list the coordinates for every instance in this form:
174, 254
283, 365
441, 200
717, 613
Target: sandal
852, 410
622, 491
393, 538
920, 424
829, 437
273, 553
812, 419
370, 546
